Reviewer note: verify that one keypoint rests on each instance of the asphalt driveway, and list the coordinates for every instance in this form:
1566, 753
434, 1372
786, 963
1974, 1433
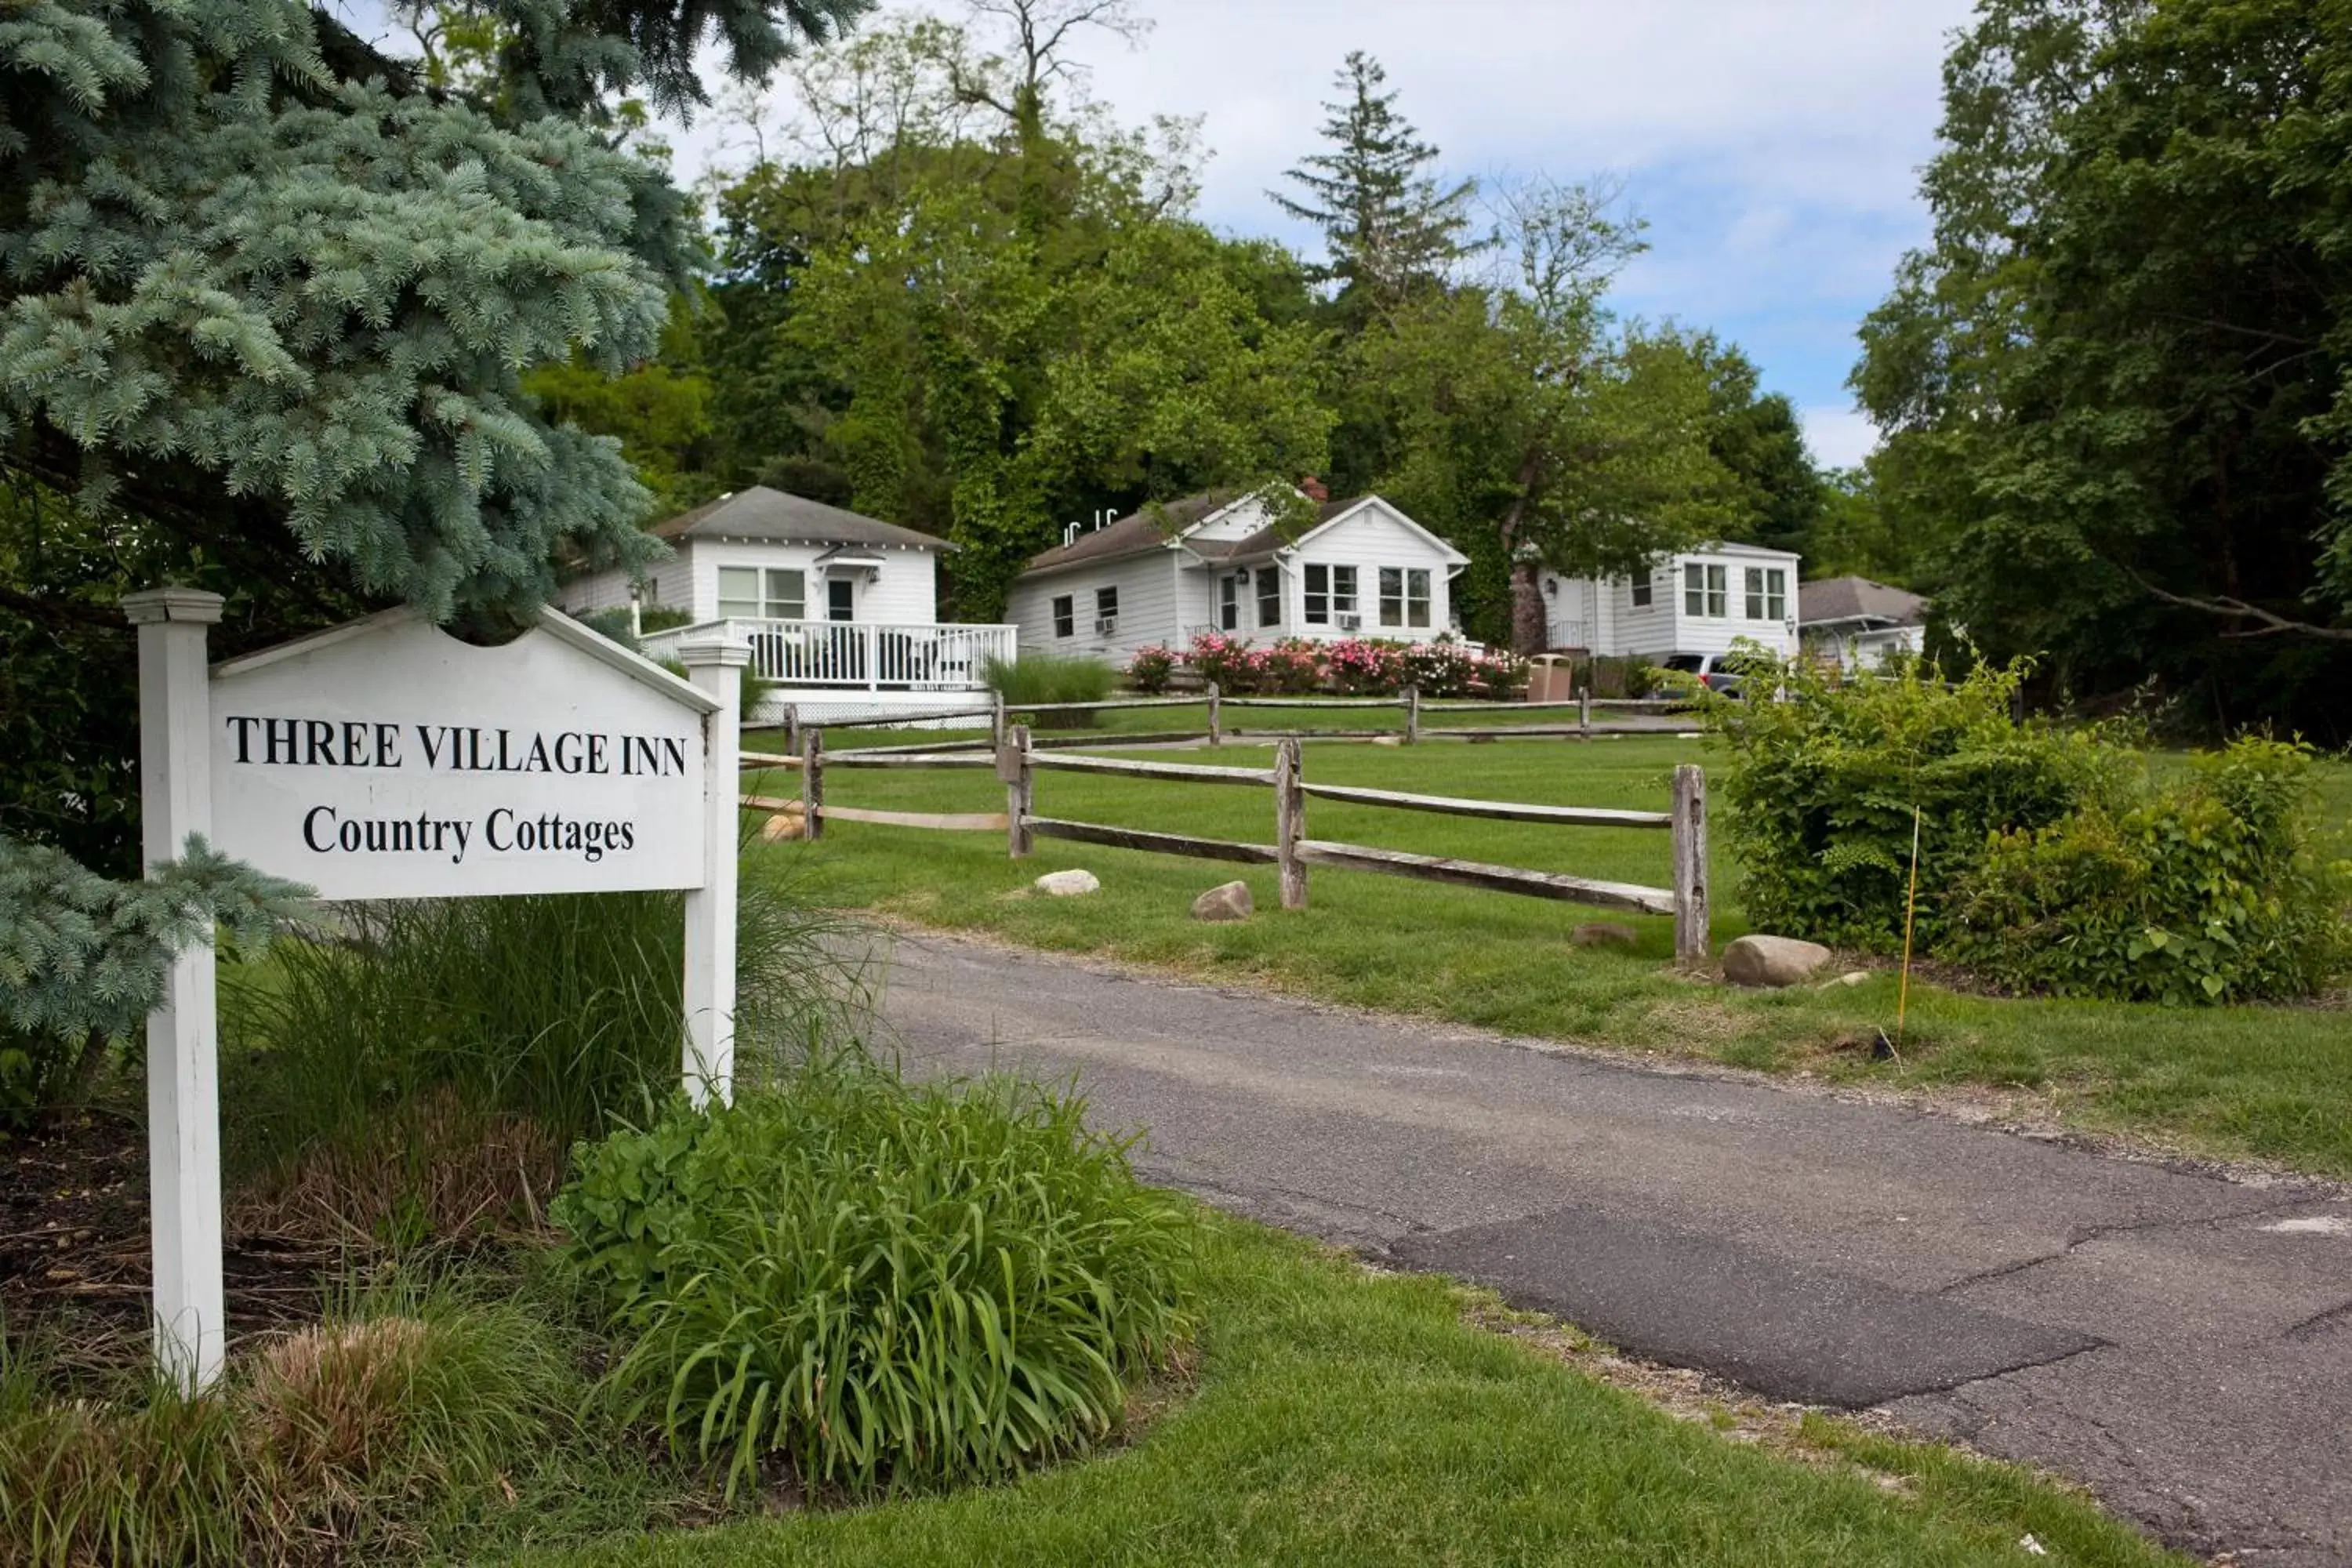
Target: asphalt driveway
2178, 1341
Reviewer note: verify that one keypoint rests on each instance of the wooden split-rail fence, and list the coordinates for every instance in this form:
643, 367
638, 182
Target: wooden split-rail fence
1017, 760
1413, 725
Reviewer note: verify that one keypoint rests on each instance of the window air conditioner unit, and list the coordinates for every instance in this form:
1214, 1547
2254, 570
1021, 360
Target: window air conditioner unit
1106, 626
1350, 623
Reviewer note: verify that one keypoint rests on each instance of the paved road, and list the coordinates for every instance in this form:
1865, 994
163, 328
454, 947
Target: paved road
2181, 1342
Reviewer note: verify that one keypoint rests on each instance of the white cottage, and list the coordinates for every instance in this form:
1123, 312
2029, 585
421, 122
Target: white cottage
1695, 602
1859, 622
841, 610
1218, 562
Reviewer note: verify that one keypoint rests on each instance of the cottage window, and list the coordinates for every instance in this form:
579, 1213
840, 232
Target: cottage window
1767, 593
753, 592
1318, 597
1642, 593
1416, 597
1269, 597
1392, 596
1065, 615
1229, 603
1106, 607
1343, 590
1706, 590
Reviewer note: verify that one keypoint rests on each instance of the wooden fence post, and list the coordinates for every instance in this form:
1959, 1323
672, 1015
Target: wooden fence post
1692, 936
1411, 714
792, 716
996, 718
1289, 822
1584, 712
1020, 789
1216, 719
812, 785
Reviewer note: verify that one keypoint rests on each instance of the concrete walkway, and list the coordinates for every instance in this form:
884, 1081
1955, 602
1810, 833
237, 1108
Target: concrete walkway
2179, 1342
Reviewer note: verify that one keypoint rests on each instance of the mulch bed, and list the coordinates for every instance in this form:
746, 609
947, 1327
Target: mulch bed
75, 1249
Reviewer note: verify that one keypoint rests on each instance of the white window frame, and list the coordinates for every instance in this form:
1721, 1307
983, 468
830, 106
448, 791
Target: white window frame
1767, 593
1343, 591
1064, 609
1707, 591
1391, 581
778, 593
1417, 600
1316, 610
1269, 597
1229, 603
1644, 593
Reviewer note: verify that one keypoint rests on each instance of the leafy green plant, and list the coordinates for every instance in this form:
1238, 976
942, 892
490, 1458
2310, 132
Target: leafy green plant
1820, 788
432, 1062
2216, 889
881, 1283
1051, 678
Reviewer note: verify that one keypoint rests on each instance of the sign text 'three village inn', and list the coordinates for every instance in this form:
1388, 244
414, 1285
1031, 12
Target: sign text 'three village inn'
401, 764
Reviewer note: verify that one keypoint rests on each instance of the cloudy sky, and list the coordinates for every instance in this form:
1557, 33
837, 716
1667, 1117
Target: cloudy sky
1773, 145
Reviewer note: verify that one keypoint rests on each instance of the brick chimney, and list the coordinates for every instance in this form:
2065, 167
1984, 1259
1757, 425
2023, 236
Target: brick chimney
1314, 490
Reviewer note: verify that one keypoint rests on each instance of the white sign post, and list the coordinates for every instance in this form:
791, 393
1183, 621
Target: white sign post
386, 760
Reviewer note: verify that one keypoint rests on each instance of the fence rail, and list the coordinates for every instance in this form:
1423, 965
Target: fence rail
1016, 762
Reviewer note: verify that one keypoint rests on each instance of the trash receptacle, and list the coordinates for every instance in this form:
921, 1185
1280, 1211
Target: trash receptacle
1551, 677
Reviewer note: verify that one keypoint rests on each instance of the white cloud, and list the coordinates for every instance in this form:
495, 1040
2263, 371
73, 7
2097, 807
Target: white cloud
1839, 437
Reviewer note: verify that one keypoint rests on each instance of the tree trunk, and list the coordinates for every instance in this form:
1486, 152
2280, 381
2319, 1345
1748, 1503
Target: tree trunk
1531, 628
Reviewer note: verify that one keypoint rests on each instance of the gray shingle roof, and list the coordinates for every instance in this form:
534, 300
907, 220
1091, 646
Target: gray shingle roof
1138, 533
1857, 598
763, 513
1151, 528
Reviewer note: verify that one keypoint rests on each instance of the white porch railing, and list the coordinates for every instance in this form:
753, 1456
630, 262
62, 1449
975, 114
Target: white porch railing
870, 656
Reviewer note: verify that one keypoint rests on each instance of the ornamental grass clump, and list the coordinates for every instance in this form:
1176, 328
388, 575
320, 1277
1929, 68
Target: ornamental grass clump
1051, 678
396, 1421
878, 1284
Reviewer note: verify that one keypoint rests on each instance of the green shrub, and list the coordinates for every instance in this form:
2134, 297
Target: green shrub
877, 1282
438, 1058
2215, 889
1817, 797
1051, 678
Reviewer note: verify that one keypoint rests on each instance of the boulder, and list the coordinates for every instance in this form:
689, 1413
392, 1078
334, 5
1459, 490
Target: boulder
1067, 884
1388, 739
1227, 901
788, 823
1772, 961
1604, 933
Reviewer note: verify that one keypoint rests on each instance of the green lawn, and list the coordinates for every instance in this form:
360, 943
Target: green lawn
2269, 1082
1343, 1417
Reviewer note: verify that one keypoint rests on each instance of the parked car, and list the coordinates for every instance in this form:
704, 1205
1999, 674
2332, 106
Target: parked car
1719, 672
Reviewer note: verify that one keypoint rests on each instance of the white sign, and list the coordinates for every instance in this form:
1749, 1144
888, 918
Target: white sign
387, 760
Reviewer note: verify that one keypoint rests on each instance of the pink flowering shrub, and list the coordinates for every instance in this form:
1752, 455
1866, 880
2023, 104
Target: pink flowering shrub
1152, 668
1361, 666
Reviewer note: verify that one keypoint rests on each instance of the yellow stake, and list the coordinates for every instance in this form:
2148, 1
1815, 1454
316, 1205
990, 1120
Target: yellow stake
1910, 904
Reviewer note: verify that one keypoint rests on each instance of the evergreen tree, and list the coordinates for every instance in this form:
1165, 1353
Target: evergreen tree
1388, 225
267, 298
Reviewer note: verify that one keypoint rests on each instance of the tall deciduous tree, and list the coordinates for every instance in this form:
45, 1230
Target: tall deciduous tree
1388, 224
2123, 371
1534, 430
1777, 496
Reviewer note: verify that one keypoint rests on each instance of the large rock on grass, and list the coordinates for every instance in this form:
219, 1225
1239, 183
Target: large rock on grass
1226, 902
1773, 961
1067, 884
